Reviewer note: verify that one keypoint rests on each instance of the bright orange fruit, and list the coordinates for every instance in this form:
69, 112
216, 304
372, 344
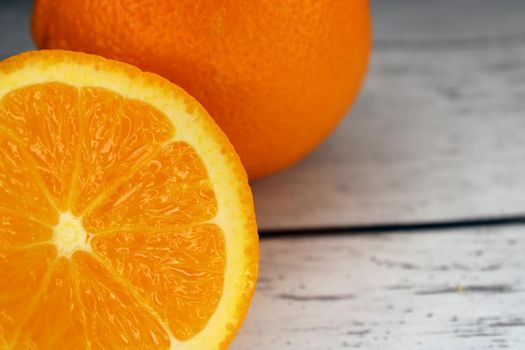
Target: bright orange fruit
276, 75
126, 220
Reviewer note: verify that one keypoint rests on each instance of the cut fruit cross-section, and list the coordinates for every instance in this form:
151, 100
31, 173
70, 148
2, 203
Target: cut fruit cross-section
126, 220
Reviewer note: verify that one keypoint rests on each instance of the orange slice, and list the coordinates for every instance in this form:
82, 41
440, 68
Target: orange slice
126, 220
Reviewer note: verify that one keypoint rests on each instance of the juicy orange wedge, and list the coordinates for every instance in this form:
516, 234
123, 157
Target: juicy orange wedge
126, 220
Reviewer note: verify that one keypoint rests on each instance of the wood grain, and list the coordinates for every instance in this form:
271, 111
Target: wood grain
426, 290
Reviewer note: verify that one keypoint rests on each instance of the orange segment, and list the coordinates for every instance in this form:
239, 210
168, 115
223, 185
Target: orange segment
21, 279
16, 231
126, 217
179, 272
45, 119
20, 193
171, 189
119, 134
57, 321
115, 319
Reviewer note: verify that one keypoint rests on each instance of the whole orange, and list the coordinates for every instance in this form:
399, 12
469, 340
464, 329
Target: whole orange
276, 75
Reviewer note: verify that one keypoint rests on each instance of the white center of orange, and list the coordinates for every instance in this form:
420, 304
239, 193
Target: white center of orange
69, 235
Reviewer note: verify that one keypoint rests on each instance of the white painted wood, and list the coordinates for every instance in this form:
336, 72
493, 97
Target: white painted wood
437, 134
445, 290
447, 20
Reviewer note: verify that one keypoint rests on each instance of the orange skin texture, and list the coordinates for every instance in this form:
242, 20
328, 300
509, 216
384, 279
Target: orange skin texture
277, 76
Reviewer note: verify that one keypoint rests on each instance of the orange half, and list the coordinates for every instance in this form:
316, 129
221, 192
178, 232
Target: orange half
126, 220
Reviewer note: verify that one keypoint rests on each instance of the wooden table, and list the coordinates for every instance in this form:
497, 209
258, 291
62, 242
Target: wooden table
458, 289
405, 229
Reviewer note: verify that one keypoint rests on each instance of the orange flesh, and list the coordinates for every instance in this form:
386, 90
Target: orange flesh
154, 262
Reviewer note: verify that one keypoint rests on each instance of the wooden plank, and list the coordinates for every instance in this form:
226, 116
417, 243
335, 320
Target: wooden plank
446, 20
459, 289
436, 135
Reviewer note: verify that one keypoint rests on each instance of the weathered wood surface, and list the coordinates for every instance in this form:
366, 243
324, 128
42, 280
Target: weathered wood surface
449, 290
